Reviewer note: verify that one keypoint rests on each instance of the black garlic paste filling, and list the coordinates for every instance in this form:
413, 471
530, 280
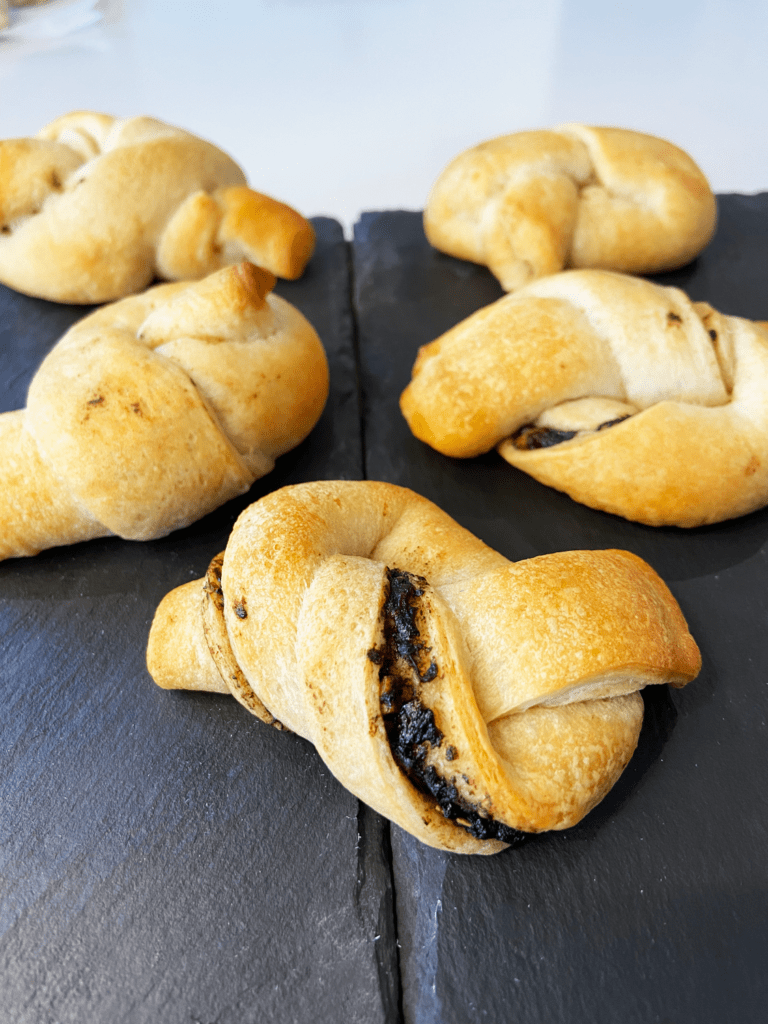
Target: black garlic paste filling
405, 663
529, 437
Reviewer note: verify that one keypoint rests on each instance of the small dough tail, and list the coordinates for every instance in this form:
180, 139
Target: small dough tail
210, 231
178, 656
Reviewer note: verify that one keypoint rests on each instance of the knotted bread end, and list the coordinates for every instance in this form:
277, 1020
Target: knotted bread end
254, 281
84, 131
30, 171
266, 231
178, 657
210, 308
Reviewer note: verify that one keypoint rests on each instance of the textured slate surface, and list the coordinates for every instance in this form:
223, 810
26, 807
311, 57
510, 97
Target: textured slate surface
163, 856
655, 908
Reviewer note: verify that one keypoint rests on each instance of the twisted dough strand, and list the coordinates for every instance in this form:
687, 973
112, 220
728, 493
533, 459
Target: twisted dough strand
96, 207
151, 412
528, 205
680, 386
461, 695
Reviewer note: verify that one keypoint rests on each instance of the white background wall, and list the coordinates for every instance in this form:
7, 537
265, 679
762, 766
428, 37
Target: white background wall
339, 106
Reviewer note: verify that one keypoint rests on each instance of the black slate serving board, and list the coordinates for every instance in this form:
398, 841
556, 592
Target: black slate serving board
655, 907
164, 857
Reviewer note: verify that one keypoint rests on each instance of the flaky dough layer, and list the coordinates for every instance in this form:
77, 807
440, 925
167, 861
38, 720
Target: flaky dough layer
95, 207
536, 202
465, 697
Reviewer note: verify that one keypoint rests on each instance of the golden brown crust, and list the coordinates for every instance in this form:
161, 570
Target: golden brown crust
152, 412
689, 426
270, 233
35, 504
533, 203
188, 666
215, 633
352, 608
96, 207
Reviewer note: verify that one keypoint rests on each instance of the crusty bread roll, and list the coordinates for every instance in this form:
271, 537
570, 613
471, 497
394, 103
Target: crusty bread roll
530, 204
464, 696
545, 372
153, 411
95, 207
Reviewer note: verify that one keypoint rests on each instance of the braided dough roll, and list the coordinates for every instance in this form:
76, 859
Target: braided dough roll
533, 203
545, 372
153, 411
95, 207
464, 696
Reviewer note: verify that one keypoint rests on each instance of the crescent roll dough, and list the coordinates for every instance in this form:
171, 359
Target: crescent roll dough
464, 696
153, 411
622, 393
95, 207
533, 203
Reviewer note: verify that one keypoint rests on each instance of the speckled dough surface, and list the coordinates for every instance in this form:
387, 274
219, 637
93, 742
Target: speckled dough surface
153, 411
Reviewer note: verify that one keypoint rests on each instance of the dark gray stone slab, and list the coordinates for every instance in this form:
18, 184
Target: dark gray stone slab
164, 856
655, 908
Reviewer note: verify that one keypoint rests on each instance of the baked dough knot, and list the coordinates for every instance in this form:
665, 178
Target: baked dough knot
153, 411
624, 394
96, 207
534, 203
465, 697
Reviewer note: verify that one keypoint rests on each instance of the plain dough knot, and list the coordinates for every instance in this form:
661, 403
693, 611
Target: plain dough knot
155, 410
533, 203
96, 207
